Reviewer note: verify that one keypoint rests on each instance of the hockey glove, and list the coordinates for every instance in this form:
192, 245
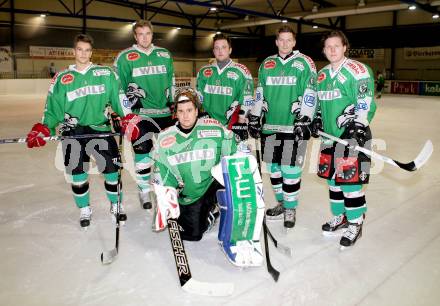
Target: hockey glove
296, 106
166, 206
129, 126
254, 126
232, 111
116, 122
241, 130
135, 94
316, 125
301, 128
35, 136
358, 132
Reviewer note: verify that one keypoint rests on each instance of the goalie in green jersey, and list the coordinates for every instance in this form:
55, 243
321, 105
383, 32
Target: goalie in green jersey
184, 155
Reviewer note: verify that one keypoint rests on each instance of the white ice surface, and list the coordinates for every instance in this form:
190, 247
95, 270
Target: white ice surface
46, 259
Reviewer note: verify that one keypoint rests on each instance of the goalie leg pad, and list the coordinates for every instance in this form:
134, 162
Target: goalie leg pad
241, 211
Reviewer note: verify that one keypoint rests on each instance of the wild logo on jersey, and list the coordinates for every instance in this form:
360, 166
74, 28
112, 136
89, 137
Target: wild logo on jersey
85, 91
190, 156
218, 90
149, 70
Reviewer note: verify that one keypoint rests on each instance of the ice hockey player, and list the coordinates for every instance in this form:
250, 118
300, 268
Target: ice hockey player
184, 156
78, 99
147, 77
347, 106
286, 98
226, 88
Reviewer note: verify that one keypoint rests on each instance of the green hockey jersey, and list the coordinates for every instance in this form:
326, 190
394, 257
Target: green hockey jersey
287, 87
82, 98
344, 95
153, 73
185, 160
223, 89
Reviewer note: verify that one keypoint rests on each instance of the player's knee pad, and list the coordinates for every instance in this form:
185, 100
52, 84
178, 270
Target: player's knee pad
241, 211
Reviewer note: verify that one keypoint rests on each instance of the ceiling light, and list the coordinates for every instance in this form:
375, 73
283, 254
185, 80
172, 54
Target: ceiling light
412, 7
284, 21
435, 16
178, 28
43, 15
218, 32
213, 9
315, 27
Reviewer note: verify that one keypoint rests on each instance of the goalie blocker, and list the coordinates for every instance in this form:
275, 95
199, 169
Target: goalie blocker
241, 209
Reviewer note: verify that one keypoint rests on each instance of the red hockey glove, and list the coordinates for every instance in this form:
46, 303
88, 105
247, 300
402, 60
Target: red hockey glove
129, 126
35, 136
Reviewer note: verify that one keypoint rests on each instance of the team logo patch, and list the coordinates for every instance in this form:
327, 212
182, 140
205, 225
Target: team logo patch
309, 100
168, 141
100, 72
210, 121
321, 77
270, 64
67, 79
232, 75
207, 73
132, 56
363, 87
163, 54
208, 133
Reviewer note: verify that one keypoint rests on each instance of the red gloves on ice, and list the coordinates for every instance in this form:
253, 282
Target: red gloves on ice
35, 136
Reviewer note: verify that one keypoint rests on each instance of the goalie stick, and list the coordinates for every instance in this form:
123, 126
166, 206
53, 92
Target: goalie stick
188, 283
55, 138
272, 271
107, 257
418, 162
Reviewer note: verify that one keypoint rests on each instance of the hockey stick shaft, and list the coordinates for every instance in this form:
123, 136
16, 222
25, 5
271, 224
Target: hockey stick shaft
59, 137
272, 271
418, 162
109, 256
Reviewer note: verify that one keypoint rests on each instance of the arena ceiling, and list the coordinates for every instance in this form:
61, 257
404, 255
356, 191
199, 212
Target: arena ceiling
234, 16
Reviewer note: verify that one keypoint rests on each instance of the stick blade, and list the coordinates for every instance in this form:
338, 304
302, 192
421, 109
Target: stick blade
208, 289
424, 155
109, 256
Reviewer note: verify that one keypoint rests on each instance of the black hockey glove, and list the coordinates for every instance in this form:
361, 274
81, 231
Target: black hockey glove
116, 122
254, 126
301, 128
316, 125
241, 130
358, 132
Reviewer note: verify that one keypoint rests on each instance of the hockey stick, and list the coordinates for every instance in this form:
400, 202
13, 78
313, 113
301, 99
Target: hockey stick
107, 257
272, 271
418, 162
54, 138
188, 283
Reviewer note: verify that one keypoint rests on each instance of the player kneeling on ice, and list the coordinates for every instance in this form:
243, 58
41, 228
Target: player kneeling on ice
186, 190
